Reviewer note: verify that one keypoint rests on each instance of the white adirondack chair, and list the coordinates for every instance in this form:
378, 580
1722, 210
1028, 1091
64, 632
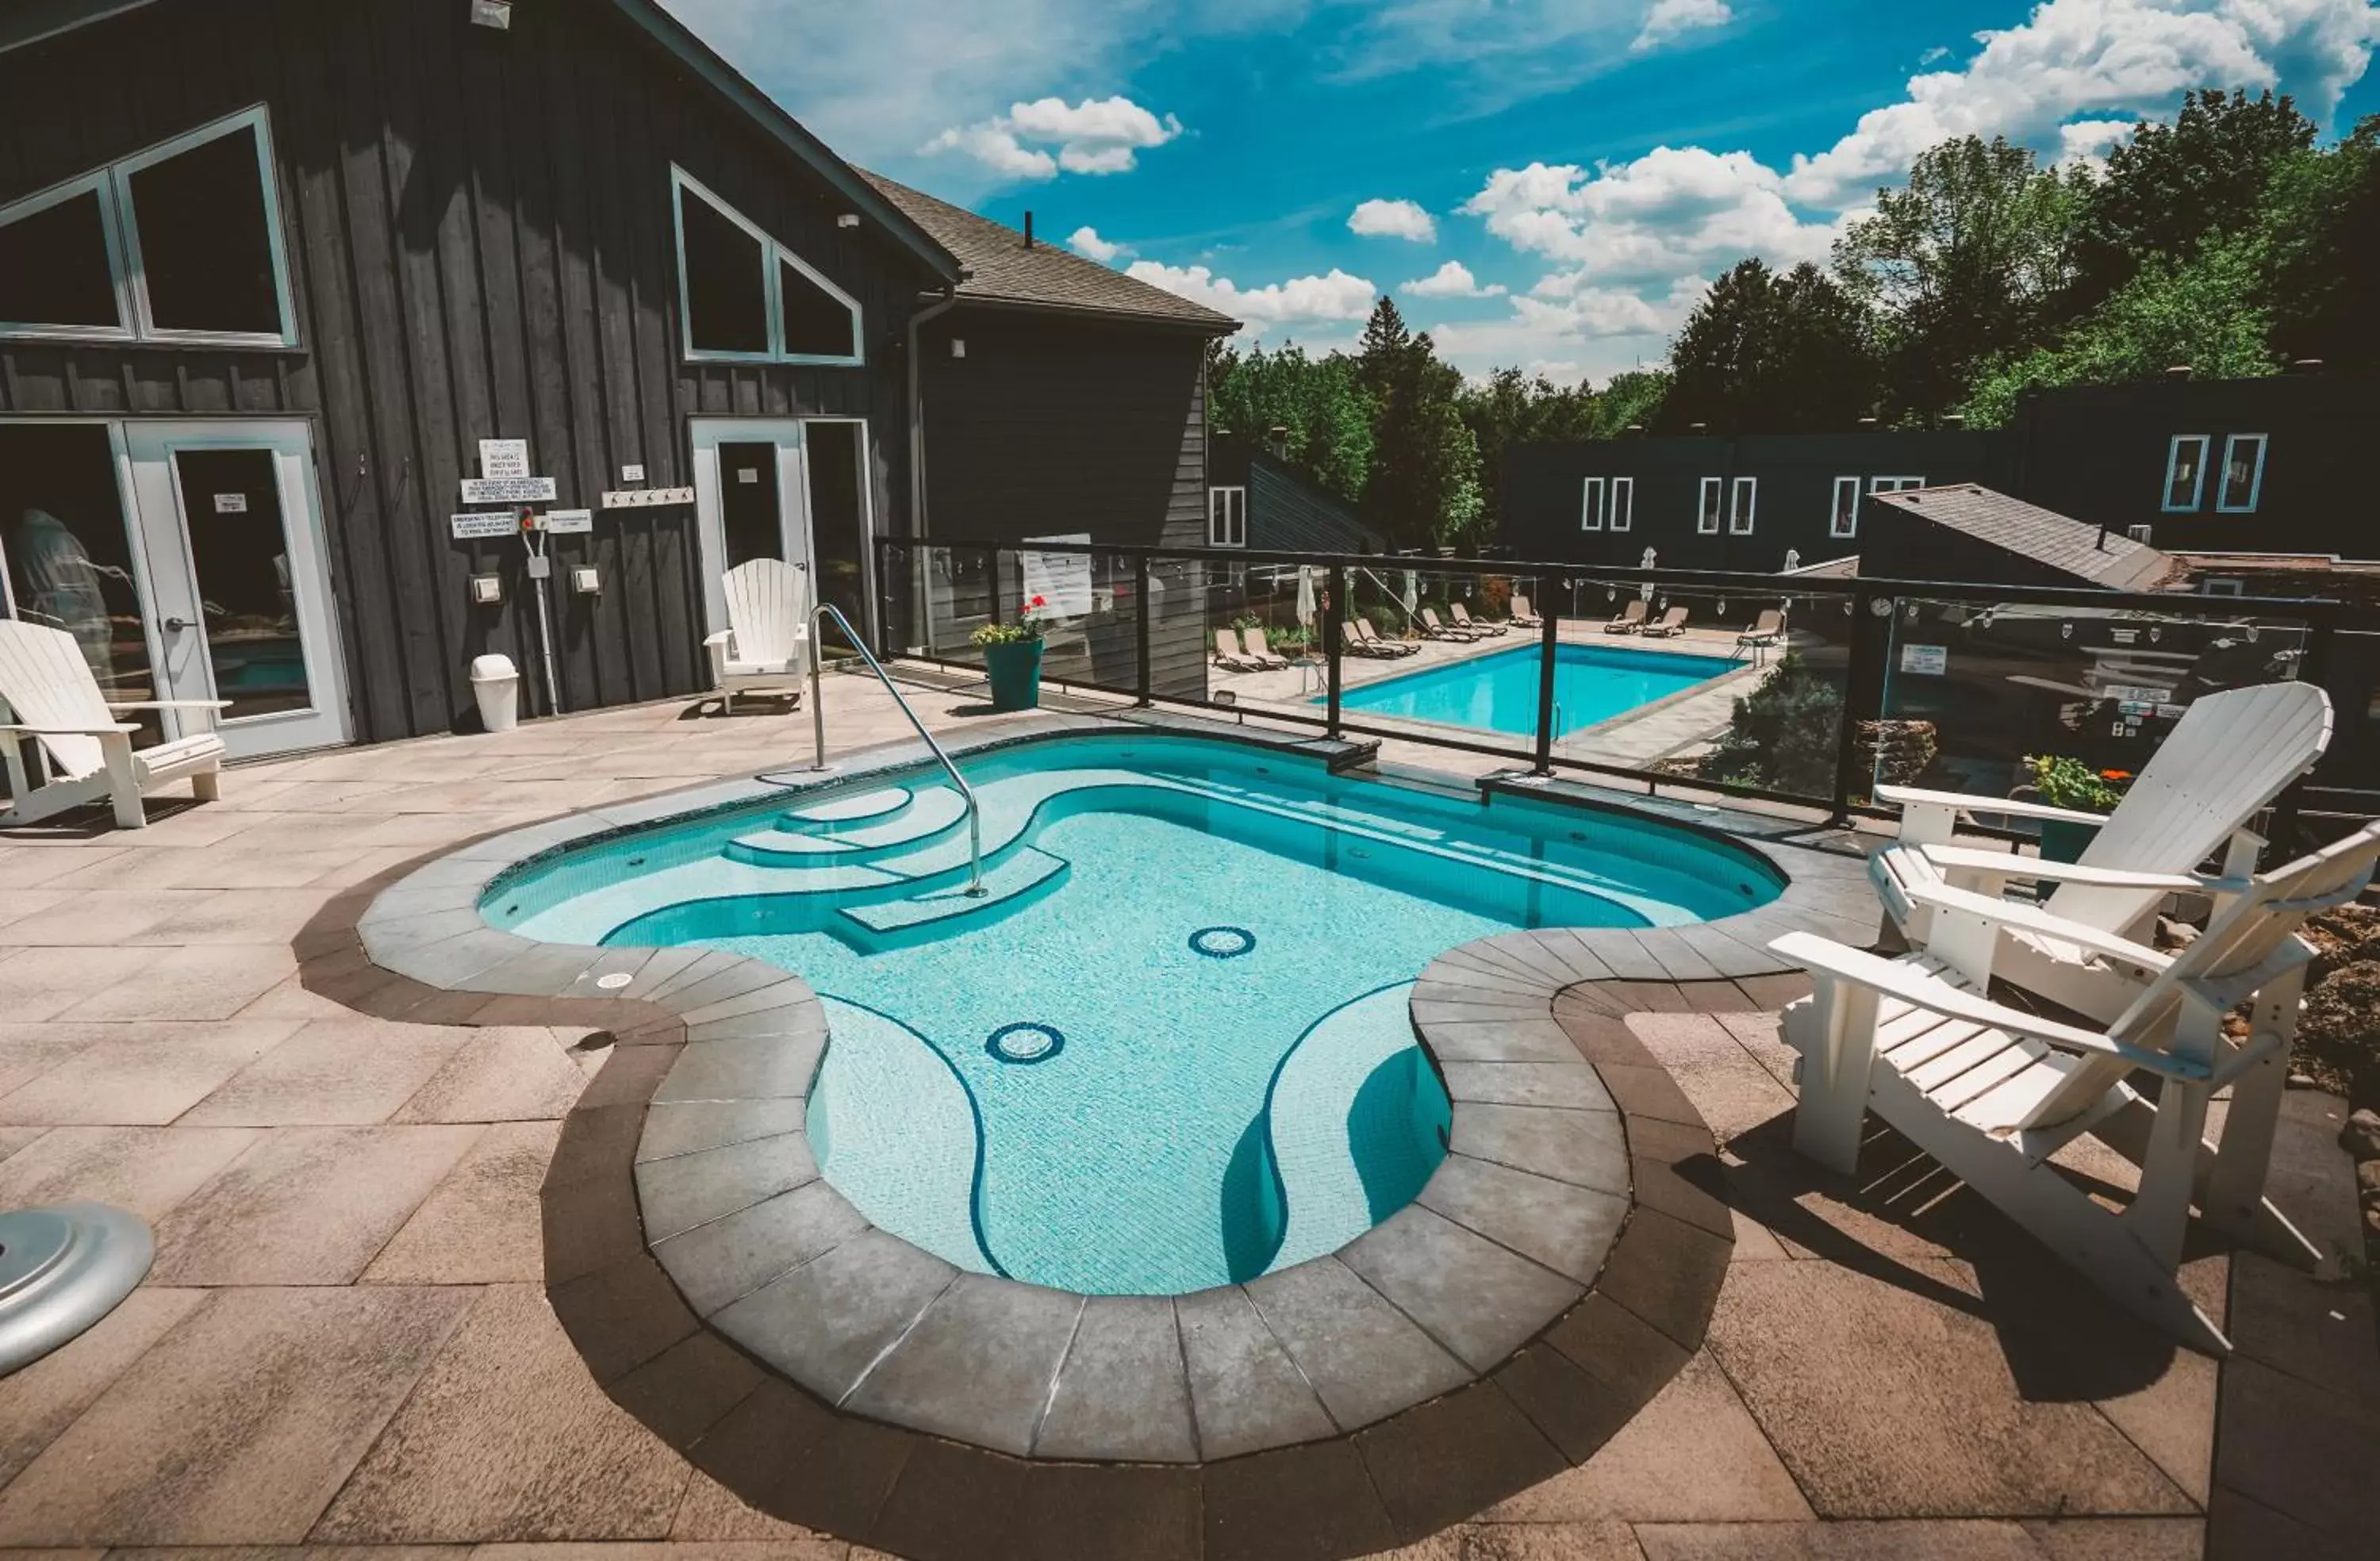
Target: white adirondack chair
766, 641
1992, 1092
2225, 760
48, 694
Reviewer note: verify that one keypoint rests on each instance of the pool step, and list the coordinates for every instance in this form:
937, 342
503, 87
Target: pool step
802, 838
1005, 882
860, 807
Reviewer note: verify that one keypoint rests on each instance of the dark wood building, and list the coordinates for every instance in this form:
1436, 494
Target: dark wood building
1259, 499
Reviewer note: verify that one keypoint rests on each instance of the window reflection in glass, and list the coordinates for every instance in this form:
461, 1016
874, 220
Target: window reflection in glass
248, 608
68, 555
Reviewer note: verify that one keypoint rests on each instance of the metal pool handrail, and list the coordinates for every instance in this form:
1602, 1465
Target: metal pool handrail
818, 718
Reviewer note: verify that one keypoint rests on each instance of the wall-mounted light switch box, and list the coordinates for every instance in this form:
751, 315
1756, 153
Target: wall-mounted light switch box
958, 346
586, 581
487, 589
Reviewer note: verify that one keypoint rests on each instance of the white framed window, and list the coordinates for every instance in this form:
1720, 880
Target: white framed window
1843, 516
1894, 484
1227, 517
2243, 474
1623, 502
2226, 587
744, 298
2185, 473
1590, 504
1707, 514
1741, 503
179, 244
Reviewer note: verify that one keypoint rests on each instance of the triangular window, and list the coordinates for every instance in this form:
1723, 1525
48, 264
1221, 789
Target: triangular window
745, 297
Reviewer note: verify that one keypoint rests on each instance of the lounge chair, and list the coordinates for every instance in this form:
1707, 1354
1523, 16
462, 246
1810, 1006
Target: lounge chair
1261, 653
1353, 643
1631, 618
1766, 633
1992, 1092
1671, 624
1522, 615
47, 692
766, 641
1391, 647
1463, 620
1228, 655
2230, 756
1436, 630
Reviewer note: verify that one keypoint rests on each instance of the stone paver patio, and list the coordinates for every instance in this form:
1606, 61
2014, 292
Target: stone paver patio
345, 1341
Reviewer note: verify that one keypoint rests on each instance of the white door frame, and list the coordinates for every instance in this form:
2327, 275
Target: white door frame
869, 601
710, 524
145, 451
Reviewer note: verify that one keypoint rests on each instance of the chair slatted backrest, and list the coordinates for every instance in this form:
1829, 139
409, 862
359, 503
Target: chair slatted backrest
1675, 618
1227, 644
1430, 621
45, 682
2243, 936
1254, 638
1633, 613
1770, 622
768, 600
2230, 756
1521, 608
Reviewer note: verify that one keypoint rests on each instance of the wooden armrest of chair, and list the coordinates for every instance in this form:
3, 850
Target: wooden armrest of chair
110, 730
721, 638
1958, 863
1910, 796
173, 705
1825, 958
2032, 918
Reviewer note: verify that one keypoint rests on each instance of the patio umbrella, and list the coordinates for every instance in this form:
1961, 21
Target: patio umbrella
1412, 591
1644, 591
1306, 594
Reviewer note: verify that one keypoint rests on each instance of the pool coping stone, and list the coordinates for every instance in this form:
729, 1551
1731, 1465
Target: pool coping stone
1450, 1418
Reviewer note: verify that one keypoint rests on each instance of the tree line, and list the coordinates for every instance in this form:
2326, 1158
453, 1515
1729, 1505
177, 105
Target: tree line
2226, 240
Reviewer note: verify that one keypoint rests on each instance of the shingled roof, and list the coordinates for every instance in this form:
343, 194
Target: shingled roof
2054, 541
1003, 272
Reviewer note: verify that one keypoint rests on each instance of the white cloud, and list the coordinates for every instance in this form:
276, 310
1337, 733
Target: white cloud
1393, 218
2098, 57
1085, 241
1096, 136
1453, 280
1335, 297
1671, 19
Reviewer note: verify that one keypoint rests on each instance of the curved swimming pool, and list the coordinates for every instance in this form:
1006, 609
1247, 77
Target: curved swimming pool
1169, 1047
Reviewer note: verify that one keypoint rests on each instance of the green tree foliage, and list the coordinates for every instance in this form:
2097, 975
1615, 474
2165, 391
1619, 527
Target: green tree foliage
2169, 187
1769, 354
1966, 264
1322, 407
1512, 408
2320, 232
1630, 399
1424, 485
1784, 735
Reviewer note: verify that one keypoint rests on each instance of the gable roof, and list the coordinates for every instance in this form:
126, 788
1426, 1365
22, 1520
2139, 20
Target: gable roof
31, 22
1002, 270
2072, 547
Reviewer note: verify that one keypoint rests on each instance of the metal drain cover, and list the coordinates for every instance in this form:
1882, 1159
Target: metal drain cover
61, 1270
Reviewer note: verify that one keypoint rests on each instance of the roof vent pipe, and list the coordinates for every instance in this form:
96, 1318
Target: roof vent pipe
1028, 230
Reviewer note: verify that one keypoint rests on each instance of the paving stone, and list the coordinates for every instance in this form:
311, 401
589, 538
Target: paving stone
826, 1322
2120, 1539
691, 1127
305, 1206
951, 1503
504, 1074
1443, 1461
1546, 1542
239, 1426
977, 1366
1313, 1501
621, 1317
1362, 1358
1246, 1391
1477, 1299
680, 1394
1071, 1511
186, 983
257, 916
39, 1401
136, 1074
1935, 1541
1518, 1040
144, 1170
1122, 1393
679, 1193
480, 1226
1571, 1085
1571, 1410
2303, 1451
506, 1438
330, 1073
733, 1256
1584, 1148
715, 1524
1617, 1348
38, 985
841, 1482
1561, 1226
749, 1069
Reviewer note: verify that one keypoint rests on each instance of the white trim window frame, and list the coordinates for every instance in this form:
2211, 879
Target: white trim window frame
120, 226
1622, 511
2223, 505
2224, 586
2206, 443
1590, 504
1842, 519
773, 255
1707, 514
1227, 521
1743, 502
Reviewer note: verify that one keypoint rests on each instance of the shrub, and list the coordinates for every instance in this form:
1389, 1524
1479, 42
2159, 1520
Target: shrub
1784, 735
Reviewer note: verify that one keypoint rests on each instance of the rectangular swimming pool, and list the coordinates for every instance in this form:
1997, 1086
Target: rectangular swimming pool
1499, 693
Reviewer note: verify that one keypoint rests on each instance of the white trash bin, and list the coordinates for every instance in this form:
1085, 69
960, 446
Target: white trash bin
496, 683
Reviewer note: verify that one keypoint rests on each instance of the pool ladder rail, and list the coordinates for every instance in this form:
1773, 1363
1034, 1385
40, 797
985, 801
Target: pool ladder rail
975, 887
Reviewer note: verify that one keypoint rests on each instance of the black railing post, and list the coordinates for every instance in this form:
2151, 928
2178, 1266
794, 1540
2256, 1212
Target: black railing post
1549, 644
1141, 598
1332, 618
1862, 690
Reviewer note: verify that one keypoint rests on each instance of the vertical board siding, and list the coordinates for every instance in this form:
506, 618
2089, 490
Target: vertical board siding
480, 245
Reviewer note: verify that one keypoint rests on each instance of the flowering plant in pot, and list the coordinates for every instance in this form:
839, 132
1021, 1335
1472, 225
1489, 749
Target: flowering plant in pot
1012, 658
2066, 782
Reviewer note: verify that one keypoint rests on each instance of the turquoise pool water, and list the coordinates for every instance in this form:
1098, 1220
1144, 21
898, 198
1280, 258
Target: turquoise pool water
1170, 1050
1499, 693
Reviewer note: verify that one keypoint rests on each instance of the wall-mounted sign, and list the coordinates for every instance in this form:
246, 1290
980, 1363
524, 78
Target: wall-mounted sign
569, 521
231, 504
647, 497
508, 491
468, 526
2137, 693
1925, 661
504, 457
747, 474
632, 474
1062, 581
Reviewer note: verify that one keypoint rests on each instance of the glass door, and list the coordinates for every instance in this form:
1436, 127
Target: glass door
751, 500
240, 595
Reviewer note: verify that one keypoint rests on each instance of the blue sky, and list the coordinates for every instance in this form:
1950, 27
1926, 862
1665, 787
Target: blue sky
1584, 166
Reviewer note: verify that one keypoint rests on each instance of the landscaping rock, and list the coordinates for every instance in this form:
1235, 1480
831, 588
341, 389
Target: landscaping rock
2348, 936
2361, 1136
2338, 1033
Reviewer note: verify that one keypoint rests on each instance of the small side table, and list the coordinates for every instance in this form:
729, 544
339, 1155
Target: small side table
1312, 672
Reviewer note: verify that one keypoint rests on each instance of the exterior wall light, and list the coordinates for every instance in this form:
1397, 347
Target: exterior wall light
497, 14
